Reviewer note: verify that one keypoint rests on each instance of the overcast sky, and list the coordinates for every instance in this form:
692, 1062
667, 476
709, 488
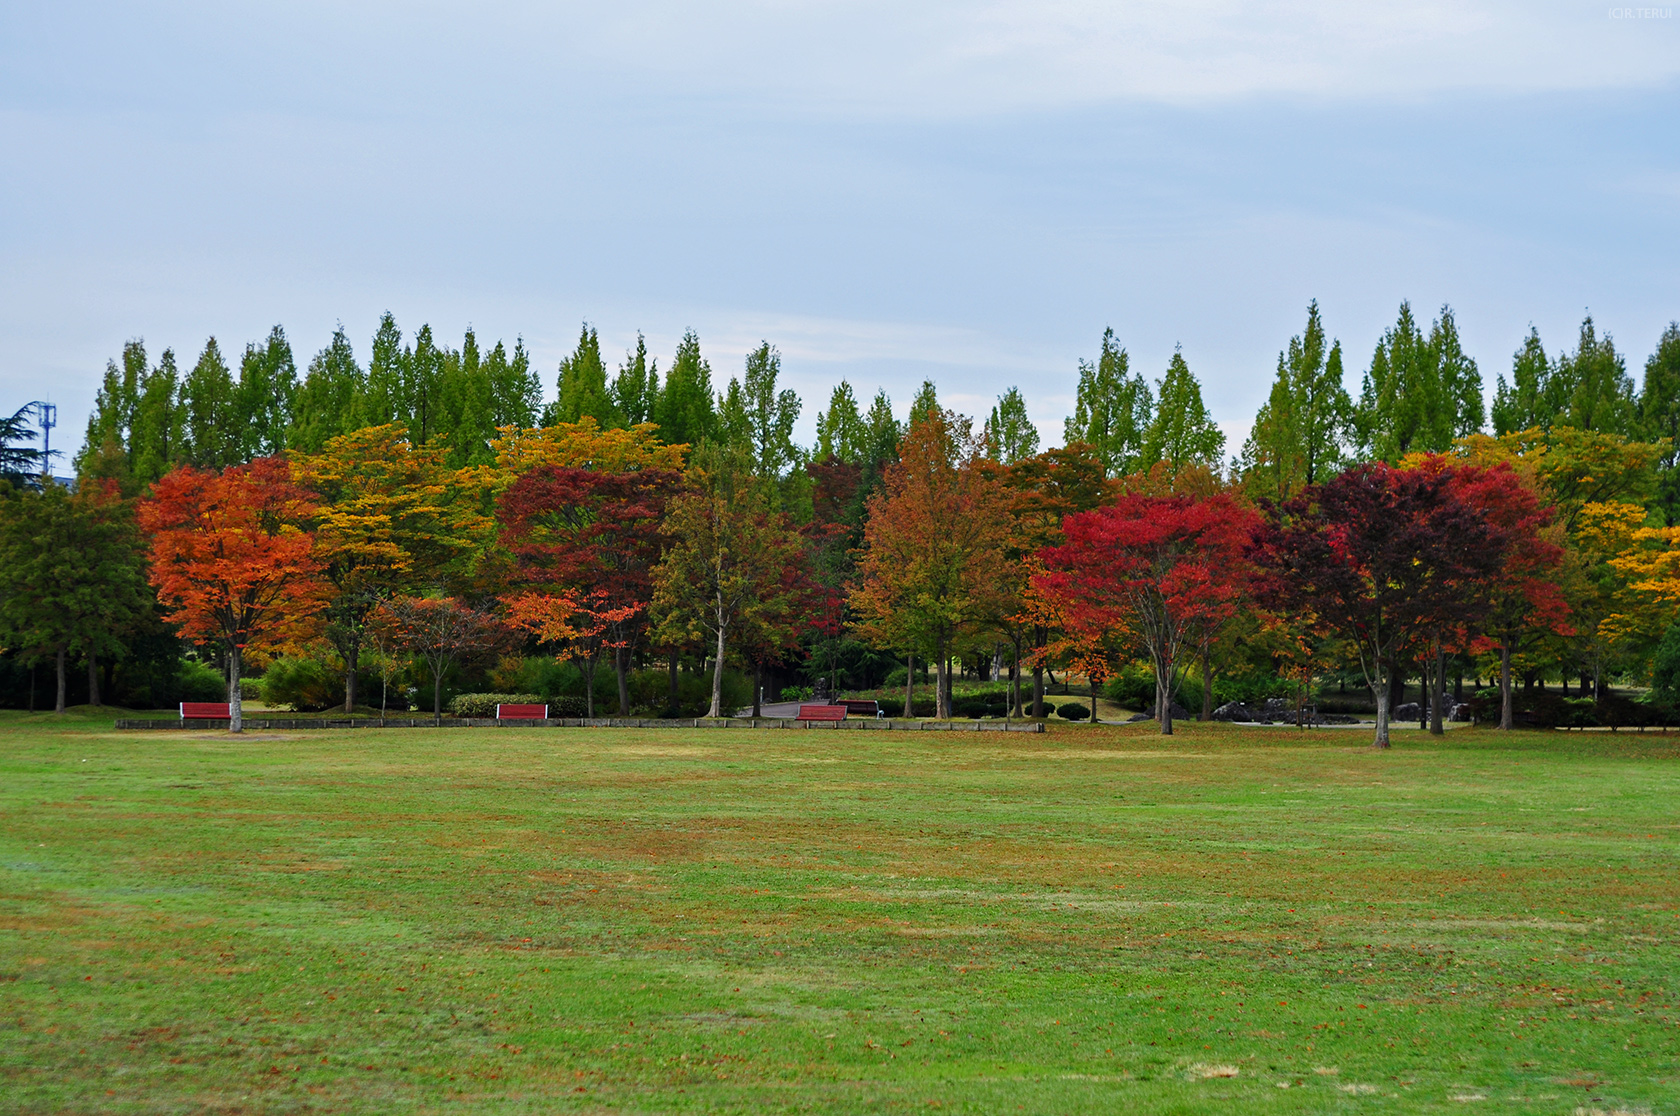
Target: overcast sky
888, 192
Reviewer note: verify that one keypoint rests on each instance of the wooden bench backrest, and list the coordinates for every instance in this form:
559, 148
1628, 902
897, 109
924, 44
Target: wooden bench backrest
822, 713
206, 710
534, 712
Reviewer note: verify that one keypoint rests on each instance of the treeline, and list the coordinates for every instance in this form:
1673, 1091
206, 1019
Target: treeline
413, 480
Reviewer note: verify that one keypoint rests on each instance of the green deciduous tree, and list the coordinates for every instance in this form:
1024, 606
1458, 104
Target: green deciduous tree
1182, 432
758, 419
730, 563
1112, 410
924, 406
1659, 416
72, 576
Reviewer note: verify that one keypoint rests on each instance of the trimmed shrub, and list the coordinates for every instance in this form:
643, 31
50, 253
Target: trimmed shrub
1073, 711
986, 703
305, 683
197, 682
797, 693
484, 705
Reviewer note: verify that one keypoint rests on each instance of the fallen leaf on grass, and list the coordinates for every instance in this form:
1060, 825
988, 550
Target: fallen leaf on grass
1201, 1071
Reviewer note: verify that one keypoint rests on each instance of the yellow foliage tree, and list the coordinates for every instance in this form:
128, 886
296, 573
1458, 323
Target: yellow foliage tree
380, 518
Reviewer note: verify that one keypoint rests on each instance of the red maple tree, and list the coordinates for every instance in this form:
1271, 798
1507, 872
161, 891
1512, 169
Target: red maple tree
1157, 568
1525, 600
589, 540
232, 559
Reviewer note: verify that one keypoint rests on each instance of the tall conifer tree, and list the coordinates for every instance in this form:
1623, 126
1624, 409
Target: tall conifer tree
265, 395
212, 434
686, 412
382, 401
841, 433
1112, 410
1182, 433
1300, 435
1421, 392
328, 397
1009, 435
1531, 398
583, 385
1594, 387
635, 390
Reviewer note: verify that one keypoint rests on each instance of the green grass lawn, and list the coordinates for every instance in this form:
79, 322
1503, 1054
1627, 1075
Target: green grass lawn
1093, 920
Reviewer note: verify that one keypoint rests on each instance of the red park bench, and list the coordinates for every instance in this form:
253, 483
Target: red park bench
861, 707
206, 711
522, 712
821, 713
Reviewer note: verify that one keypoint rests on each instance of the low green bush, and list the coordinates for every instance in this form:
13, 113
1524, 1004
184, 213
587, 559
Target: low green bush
484, 705
198, 682
1073, 711
303, 682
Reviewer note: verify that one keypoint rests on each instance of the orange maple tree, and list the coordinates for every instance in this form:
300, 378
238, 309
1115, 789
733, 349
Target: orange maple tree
231, 559
936, 569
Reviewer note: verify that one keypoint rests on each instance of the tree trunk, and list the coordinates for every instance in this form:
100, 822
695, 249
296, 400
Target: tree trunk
1380, 690
1397, 689
1207, 688
1038, 691
1093, 682
236, 706
93, 678
1506, 706
910, 684
758, 689
437, 698
621, 663
1437, 689
1015, 678
588, 669
1163, 693
351, 662
59, 708
676, 694
717, 677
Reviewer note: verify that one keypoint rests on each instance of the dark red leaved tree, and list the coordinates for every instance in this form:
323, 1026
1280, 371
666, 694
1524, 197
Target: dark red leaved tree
1381, 557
